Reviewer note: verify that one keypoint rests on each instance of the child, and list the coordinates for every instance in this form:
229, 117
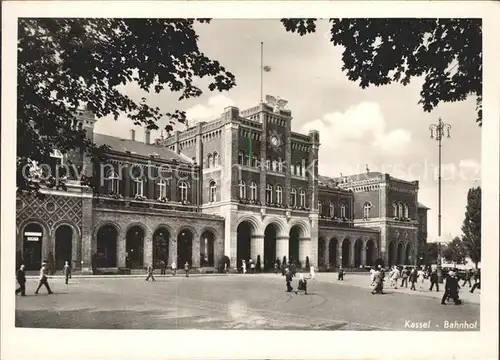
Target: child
302, 284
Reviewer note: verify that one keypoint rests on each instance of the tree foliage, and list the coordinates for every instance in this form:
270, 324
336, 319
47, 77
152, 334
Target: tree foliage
471, 227
446, 52
455, 251
64, 63
431, 252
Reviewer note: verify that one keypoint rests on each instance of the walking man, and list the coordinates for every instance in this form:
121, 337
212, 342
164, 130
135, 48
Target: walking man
379, 282
451, 289
21, 279
174, 268
252, 266
151, 271
413, 278
467, 277
163, 270
43, 279
288, 279
477, 283
434, 280
186, 268
341, 274
404, 277
66, 272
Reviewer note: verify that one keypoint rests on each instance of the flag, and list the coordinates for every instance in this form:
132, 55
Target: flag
266, 68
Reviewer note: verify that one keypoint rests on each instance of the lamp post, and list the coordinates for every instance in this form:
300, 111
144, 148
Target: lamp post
438, 132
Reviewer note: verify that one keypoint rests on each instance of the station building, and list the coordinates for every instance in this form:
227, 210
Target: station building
242, 185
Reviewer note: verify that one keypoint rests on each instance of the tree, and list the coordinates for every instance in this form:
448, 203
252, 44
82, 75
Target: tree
431, 253
446, 52
66, 63
471, 227
455, 251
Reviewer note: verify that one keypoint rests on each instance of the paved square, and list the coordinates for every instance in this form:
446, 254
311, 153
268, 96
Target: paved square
230, 302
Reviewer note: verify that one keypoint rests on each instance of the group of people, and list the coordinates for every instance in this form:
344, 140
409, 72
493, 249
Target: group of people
42, 280
151, 269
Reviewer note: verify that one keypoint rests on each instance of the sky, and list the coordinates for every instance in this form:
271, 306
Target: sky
383, 128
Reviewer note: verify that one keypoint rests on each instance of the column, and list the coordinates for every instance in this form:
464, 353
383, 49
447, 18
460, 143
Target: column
126, 180
363, 254
172, 249
263, 157
121, 250
282, 247
88, 244
305, 250
326, 255
339, 252
195, 253
257, 248
173, 186
147, 253
352, 254
313, 242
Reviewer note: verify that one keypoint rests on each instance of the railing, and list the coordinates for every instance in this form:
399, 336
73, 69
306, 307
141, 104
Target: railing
120, 203
335, 220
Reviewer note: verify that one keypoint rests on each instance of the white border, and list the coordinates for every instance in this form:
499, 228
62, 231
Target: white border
80, 344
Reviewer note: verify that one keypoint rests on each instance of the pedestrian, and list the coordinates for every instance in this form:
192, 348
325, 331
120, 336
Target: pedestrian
467, 276
150, 271
186, 268
372, 276
341, 274
226, 270
413, 278
21, 279
421, 278
163, 270
174, 268
379, 282
312, 272
288, 279
477, 281
244, 266
252, 266
66, 272
302, 286
394, 276
43, 279
276, 268
404, 277
434, 280
451, 289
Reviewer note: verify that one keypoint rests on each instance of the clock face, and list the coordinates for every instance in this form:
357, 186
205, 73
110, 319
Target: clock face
275, 141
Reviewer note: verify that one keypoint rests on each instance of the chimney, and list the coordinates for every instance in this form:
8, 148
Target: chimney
147, 136
132, 134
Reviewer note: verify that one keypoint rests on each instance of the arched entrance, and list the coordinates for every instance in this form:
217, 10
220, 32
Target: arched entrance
161, 238
332, 252
207, 242
358, 249
32, 246
243, 235
270, 246
321, 251
64, 241
184, 248
400, 254
370, 247
408, 254
135, 248
106, 246
293, 245
346, 253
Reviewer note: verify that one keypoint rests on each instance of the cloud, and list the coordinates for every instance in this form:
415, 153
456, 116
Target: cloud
363, 123
215, 106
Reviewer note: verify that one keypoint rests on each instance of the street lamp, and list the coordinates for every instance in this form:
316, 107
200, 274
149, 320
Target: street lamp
438, 132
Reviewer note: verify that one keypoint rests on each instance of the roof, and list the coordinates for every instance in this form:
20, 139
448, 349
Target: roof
139, 148
422, 206
363, 176
327, 181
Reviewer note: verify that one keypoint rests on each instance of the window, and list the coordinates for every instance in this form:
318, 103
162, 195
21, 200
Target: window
212, 197
255, 161
366, 210
243, 190
302, 195
332, 210
279, 194
395, 209
138, 187
183, 191
298, 169
406, 212
112, 182
162, 188
56, 158
400, 210
269, 193
209, 161
342, 210
275, 165
280, 165
247, 160
293, 198
216, 160
241, 157
253, 191
320, 208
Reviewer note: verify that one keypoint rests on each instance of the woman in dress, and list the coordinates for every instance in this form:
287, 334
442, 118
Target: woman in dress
244, 266
421, 278
312, 272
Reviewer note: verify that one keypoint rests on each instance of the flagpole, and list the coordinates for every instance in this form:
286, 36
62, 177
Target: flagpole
261, 71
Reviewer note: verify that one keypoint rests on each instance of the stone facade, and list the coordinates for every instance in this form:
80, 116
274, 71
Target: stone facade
243, 185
